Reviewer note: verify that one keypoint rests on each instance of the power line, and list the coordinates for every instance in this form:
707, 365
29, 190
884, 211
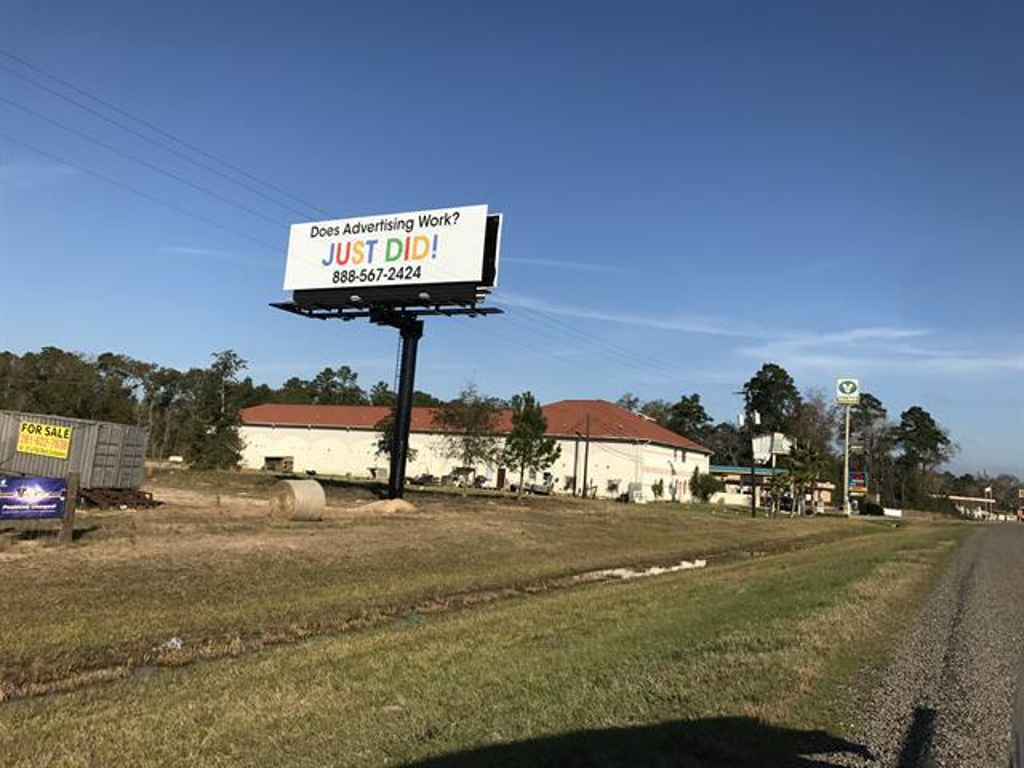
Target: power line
139, 134
141, 161
561, 342
547, 317
139, 192
576, 336
531, 348
157, 129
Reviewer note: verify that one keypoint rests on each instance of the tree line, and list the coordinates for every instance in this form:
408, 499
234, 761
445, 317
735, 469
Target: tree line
903, 457
194, 413
191, 413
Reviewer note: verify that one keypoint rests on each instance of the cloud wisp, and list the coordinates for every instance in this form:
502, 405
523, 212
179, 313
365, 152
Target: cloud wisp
575, 266
889, 348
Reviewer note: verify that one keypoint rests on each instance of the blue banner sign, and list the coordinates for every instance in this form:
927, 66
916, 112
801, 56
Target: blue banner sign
31, 498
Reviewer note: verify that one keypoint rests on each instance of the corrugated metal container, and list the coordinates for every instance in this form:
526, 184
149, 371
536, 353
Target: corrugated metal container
105, 455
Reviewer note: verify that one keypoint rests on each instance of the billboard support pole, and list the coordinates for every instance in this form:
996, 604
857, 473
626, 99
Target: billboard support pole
411, 330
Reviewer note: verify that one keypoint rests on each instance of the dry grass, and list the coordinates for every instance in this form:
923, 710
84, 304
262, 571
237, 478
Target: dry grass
214, 570
679, 669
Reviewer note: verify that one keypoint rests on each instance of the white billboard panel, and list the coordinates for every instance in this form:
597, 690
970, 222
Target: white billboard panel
445, 245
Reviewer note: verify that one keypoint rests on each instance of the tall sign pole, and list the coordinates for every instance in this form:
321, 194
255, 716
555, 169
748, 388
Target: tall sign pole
847, 395
846, 466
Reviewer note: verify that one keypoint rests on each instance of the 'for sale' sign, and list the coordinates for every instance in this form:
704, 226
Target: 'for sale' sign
52, 440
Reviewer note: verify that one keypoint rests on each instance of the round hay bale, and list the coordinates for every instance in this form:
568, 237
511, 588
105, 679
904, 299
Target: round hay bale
299, 500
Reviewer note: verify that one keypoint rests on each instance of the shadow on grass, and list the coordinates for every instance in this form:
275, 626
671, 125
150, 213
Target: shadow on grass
722, 741
41, 534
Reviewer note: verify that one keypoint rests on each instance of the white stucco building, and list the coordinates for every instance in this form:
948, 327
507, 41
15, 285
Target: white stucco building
622, 448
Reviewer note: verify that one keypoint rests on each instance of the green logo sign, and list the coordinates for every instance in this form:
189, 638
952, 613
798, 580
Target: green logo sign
847, 391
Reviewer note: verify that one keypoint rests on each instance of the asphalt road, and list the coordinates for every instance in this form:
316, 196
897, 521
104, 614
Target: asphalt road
947, 699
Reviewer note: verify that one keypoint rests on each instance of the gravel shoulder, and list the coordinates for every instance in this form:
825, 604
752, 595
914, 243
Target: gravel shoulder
946, 699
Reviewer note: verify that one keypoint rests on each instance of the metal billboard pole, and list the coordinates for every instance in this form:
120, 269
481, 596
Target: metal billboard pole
411, 330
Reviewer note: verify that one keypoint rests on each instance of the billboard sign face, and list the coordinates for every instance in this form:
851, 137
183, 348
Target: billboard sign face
847, 391
51, 440
395, 249
859, 483
31, 498
765, 446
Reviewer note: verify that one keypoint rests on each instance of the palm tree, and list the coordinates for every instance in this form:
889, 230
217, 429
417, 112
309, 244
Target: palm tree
807, 465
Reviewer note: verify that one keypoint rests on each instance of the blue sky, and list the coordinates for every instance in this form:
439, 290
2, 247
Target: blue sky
690, 190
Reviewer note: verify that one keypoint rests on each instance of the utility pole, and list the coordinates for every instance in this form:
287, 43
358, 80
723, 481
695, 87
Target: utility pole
753, 461
586, 459
575, 464
748, 412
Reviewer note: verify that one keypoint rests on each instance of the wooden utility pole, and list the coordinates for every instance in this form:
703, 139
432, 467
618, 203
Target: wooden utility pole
67, 523
586, 460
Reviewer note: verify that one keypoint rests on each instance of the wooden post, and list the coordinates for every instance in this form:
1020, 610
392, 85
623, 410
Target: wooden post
67, 523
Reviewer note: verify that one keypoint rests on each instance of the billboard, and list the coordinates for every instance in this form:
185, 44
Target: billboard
40, 439
418, 248
31, 498
764, 446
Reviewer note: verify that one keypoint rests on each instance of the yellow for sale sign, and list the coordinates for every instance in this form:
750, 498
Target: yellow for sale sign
52, 440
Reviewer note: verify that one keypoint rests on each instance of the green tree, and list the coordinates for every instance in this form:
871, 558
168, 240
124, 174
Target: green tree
381, 394
659, 410
213, 441
469, 426
295, 390
924, 446
425, 400
629, 401
704, 485
688, 418
527, 447
808, 465
386, 439
337, 387
773, 394
728, 444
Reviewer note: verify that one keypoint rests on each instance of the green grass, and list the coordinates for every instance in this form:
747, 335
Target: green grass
738, 664
216, 572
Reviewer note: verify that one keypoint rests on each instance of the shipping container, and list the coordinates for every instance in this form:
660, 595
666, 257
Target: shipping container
106, 455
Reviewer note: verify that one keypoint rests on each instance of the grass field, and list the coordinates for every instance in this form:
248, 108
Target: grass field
749, 653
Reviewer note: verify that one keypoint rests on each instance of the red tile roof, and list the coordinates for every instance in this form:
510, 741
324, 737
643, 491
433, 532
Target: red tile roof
565, 419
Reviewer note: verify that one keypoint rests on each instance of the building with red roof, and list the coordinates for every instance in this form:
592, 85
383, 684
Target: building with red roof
617, 451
